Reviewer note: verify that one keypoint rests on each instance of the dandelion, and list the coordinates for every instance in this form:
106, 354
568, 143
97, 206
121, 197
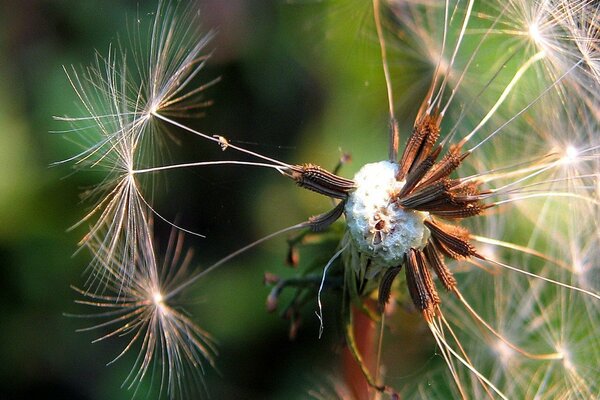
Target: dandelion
497, 184
404, 213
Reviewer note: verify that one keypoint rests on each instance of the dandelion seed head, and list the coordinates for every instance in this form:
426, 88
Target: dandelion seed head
378, 226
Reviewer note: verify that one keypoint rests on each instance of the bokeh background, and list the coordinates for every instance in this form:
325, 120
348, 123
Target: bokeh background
301, 82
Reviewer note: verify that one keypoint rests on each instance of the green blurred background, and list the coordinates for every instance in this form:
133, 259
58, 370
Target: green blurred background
301, 82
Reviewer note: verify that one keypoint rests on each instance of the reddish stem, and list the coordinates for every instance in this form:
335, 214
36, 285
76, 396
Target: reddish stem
365, 334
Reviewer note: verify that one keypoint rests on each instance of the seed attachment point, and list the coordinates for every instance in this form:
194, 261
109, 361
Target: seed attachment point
223, 142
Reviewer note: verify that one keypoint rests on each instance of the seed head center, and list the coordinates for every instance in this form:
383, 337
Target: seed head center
379, 227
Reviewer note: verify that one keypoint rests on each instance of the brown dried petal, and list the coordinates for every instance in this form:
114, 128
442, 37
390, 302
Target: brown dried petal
427, 279
416, 285
420, 143
435, 260
432, 193
385, 287
315, 178
322, 221
415, 176
452, 240
445, 167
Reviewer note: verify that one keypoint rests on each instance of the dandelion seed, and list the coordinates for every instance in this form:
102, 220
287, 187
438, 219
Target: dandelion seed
126, 105
171, 347
119, 100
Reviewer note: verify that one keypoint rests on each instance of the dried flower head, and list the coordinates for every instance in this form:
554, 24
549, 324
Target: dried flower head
445, 205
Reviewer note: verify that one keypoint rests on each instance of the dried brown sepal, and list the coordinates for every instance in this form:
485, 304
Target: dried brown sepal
468, 190
431, 124
445, 167
445, 201
435, 260
385, 287
414, 177
445, 250
468, 210
425, 133
322, 221
427, 279
432, 194
417, 288
315, 178
451, 199
451, 240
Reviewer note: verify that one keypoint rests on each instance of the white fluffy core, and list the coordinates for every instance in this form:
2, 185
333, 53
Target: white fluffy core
379, 227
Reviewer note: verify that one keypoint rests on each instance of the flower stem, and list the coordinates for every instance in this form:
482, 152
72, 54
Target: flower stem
365, 334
